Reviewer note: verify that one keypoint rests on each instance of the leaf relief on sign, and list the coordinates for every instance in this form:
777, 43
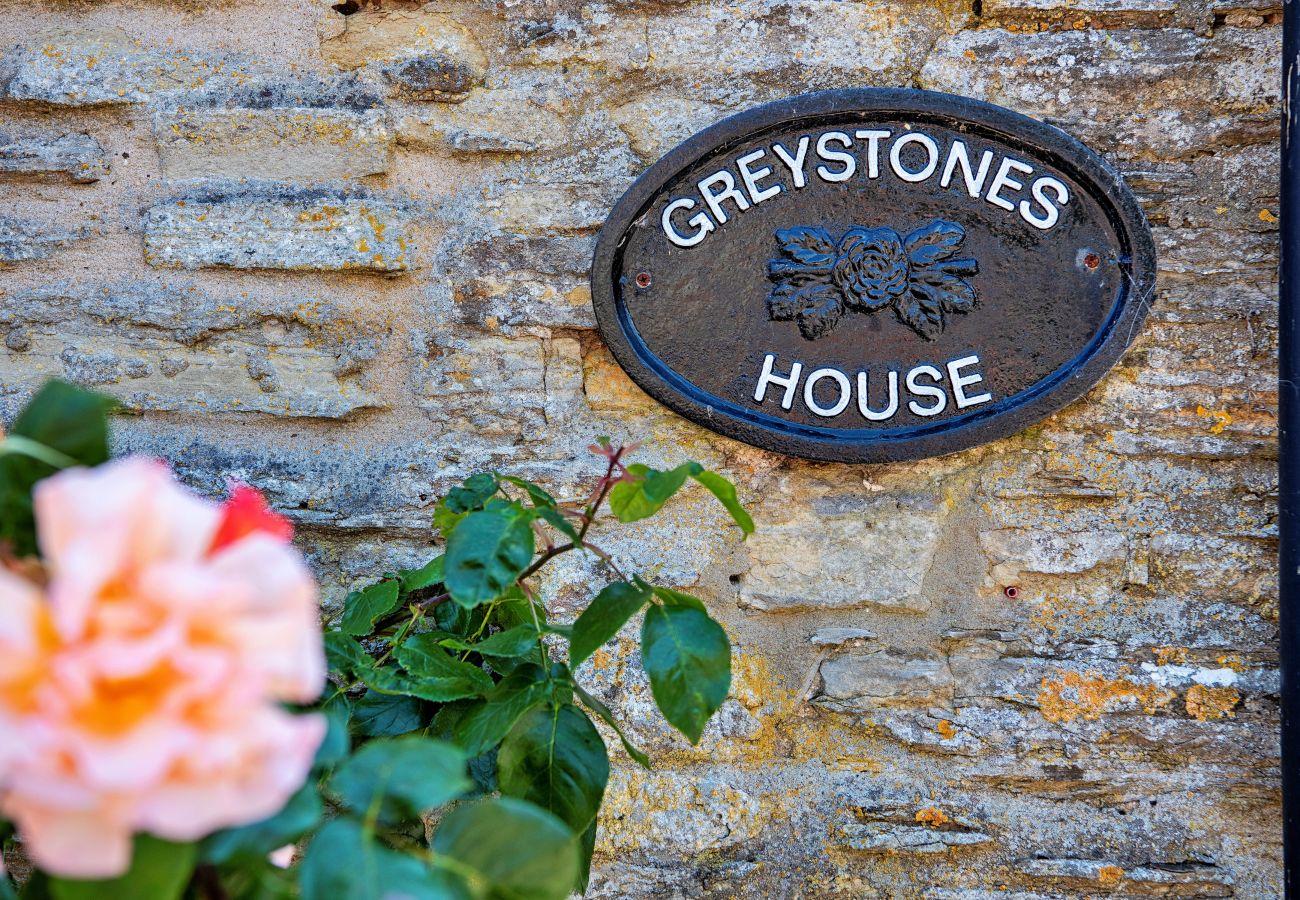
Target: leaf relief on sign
819, 279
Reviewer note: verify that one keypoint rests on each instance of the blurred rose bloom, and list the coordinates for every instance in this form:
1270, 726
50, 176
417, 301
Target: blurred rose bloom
141, 688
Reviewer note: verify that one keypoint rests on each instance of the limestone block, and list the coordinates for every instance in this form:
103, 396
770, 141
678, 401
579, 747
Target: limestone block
276, 227
287, 144
177, 349
78, 156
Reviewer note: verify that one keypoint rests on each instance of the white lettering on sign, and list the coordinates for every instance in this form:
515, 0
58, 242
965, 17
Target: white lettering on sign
834, 157
829, 392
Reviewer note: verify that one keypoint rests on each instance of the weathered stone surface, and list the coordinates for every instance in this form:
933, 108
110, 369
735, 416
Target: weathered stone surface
23, 240
78, 66
435, 75
1184, 880
289, 144
277, 228
877, 554
1108, 13
654, 125
497, 385
385, 35
901, 725
675, 811
886, 678
1142, 92
780, 48
487, 122
78, 156
164, 348
880, 837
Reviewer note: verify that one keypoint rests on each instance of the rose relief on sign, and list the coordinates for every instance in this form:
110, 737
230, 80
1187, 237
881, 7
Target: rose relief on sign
872, 275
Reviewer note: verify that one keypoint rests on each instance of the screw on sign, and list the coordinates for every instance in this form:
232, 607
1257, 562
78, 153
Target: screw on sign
873, 275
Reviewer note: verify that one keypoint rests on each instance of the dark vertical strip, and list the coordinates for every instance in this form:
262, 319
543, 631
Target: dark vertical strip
1289, 445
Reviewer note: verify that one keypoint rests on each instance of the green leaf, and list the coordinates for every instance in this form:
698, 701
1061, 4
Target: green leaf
368, 606
556, 520
258, 881
473, 493
539, 496
65, 419
402, 777
604, 712
426, 576
487, 552
514, 850
160, 870
586, 848
386, 715
338, 714
554, 757
688, 659
677, 598
483, 727
345, 656
437, 676
725, 491
607, 613
509, 644
299, 816
345, 860
639, 499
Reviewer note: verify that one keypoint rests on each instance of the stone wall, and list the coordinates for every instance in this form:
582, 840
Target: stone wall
340, 253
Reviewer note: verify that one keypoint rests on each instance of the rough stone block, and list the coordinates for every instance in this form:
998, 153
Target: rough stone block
23, 240
78, 156
778, 48
174, 348
267, 227
490, 384
1159, 92
1054, 554
293, 144
654, 125
891, 838
434, 76
875, 553
88, 66
885, 677
490, 121
676, 811
378, 35
1082, 13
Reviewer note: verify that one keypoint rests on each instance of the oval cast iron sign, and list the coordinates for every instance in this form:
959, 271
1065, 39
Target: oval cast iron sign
873, 275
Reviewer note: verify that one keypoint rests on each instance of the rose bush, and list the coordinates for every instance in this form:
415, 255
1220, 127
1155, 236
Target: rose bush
153, 644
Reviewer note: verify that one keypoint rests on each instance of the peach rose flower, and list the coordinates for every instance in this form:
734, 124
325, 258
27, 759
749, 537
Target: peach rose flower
141, 689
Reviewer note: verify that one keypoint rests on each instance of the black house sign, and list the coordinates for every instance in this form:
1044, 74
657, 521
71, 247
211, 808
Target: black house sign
873, 275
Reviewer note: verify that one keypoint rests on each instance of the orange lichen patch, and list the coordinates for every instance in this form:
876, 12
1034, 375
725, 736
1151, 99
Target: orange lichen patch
945, 729
1166, 656
932, 816
601, 660
1091, 695
1205, 703
1110, 876
1221, 419
1235, 663
1267, 216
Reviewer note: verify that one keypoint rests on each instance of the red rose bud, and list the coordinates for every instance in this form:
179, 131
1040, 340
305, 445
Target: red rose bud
244, 513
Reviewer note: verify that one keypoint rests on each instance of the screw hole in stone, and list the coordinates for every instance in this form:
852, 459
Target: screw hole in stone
1092, 261
643, 280
1011, 591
